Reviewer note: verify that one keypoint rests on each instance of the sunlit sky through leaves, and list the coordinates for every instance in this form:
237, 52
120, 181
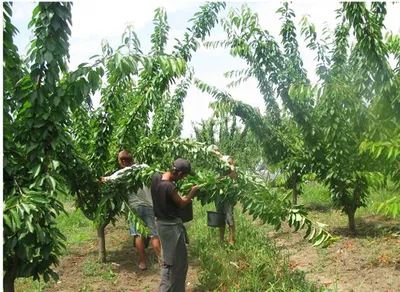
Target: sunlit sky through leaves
97, 20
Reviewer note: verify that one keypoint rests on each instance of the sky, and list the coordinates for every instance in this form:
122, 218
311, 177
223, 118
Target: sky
93, 21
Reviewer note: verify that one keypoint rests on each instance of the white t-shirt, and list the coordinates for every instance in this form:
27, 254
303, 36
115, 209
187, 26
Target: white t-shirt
225, 158
143, 195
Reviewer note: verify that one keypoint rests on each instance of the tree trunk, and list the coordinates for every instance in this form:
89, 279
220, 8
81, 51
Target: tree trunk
10, 276
352, 223
101, 239
294, 189
353, 208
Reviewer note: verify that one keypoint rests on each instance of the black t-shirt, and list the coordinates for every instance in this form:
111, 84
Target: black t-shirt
161, 193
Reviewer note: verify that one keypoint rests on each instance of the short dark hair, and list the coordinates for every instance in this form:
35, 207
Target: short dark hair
126, 156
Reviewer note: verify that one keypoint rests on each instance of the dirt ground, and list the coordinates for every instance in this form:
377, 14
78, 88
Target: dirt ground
369, 261
79, 271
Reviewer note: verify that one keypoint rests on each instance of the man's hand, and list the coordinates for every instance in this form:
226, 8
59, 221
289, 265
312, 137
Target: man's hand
193, 192
102, 179
195, 188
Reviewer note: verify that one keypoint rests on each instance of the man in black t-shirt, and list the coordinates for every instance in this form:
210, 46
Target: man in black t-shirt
166, 205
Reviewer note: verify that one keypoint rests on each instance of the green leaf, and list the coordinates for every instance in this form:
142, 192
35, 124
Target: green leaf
319, 239
39, 199
41, 234
25, 207
28, 222
46, 277
48, 56
53, 275
55, 164
312, 234
36, 169
15, 218
7, 220
50, 45
53, 182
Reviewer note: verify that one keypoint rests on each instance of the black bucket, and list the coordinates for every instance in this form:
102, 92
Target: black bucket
215, 219
186, 213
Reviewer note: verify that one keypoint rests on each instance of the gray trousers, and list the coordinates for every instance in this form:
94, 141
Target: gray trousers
173, 277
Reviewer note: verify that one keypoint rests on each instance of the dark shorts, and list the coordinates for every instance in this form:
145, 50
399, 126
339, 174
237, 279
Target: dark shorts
145, 213
227, 209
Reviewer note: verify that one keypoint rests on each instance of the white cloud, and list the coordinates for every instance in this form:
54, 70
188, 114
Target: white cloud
195, 109
108, 19
22, 11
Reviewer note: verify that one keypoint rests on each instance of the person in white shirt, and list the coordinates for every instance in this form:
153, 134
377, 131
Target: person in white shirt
227, 208
143, 205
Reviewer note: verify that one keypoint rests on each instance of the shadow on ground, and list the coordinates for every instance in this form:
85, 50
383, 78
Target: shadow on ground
126, 260
318, 207
369, 226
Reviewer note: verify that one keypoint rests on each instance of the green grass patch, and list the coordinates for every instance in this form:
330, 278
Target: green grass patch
93, 268
376, 197
76, 227
315, 196
27, 285
253, 264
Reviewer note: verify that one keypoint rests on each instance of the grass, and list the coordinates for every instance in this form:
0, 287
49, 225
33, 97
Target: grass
76, 227
253, 264
27, 285
316, 196
316, 199
376, 197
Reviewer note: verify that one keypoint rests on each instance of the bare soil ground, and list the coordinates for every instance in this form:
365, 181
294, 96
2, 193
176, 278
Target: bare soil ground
79, 270
369, 261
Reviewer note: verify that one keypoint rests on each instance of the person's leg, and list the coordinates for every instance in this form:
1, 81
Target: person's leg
220, 209
140, 247
221, 233
165, 283
164, 273
148, 218
232, 240
231, 222
155, 242
139, 239
160, 240
180, 267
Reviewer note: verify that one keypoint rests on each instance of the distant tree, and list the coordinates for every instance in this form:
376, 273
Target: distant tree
331, 118
233, 139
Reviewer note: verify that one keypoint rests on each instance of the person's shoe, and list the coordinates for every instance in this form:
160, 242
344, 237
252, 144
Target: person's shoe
142, 267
